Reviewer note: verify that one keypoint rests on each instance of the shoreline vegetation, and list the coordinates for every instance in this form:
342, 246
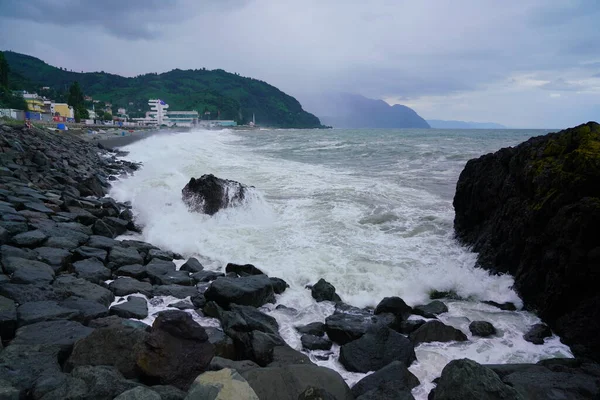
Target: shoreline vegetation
72, 297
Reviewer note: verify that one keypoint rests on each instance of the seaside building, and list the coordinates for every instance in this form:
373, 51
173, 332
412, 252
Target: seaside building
217, 123
183, 118
63, 110
35, 103
158, 111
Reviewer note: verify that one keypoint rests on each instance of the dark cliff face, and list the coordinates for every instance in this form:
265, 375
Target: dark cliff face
534, 211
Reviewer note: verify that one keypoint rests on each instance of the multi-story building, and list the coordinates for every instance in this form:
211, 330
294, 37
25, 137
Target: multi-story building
35, 103
63, 110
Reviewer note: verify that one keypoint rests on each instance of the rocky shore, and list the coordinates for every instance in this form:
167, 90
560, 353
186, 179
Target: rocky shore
72, 297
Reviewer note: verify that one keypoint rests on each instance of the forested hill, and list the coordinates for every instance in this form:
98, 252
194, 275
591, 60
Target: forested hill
234, 96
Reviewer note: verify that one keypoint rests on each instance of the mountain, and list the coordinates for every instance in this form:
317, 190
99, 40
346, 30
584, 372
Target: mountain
346, 110
234, 96
440, 124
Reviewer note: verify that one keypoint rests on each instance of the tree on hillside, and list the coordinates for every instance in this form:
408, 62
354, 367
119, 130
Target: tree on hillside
76, 101
3, 71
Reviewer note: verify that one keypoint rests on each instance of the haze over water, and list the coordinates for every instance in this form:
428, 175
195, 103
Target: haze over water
368, 210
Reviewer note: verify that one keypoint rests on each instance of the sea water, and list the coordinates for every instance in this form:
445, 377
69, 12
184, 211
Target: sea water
368, 210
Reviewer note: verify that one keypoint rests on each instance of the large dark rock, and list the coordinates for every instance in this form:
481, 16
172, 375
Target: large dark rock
136, 271
289, 382
345, 327
135, 307
436, 331
534, 211
39, 311
393, 372
312, 342
324, 291
57, 258
119, 256
20, 293
466, 380
537, 333
192, 265
62, 334
209, 194
89, 309
388, 390
123, 286
250, 290
393, 305
23, 365
8, 318
431, 310
247, 319
176, 351
218, 363
206, 276
163, 272
28, 271
376, 349
178, 291
91, 269
243, 270
117, 345
482, 328
67, 285
30, 239
314, 328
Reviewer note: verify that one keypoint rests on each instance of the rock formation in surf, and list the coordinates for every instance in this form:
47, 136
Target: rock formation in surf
534, 211
209, 194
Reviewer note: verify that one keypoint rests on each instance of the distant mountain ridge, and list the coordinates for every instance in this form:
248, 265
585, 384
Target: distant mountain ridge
347, 110
221, 93
441, 124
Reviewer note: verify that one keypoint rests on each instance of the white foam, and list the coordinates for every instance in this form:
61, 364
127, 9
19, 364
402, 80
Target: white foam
370, 237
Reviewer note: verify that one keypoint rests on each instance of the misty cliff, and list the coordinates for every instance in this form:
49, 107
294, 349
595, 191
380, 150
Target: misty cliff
345, 110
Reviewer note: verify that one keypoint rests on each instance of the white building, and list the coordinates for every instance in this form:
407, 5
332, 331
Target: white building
158, 111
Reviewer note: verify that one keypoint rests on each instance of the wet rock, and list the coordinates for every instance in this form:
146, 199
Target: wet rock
256, 345
91, 269
117, 345
218, 363
22, 293
209, 194
224, 346
198, 300
30, 239
102, 382
482, 328
466, 380
164, 273
279, 285
120, 256
182, 305
431, 310
136, 271
22, 365
159, 255
4, 235
388, 390
312, 342
314, 328
67, 286
393, 372
123, 286
243, 270
344, 328
393, 305
284, 355
251, 290
503, 306
57, 258
192, 265
409, 326
102, 242
39, 311
139, 393
88, 309
225, 383
246, 319
134, 307
176, 351
376, 349
289, 382
62, 334
206, 276
61, 243
436, 331
537, 333
84, 252
177, 291
169, 392
8, 318
9, 252
30, 272
118, 321
324, 291
313, 393
101, 228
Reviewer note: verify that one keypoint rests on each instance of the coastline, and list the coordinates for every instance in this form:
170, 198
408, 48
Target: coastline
94, 216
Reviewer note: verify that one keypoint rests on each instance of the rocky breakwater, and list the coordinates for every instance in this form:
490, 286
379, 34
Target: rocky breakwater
534, 211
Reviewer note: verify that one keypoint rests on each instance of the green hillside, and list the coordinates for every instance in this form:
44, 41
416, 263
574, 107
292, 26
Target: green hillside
236, 97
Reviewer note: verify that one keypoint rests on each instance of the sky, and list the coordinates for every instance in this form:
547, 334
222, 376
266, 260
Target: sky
524, 64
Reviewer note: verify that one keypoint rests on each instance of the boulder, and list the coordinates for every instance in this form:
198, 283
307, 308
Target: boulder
218, 363
136, 271
312, 342
62, 334
117, 345
393, 305
314, 328
101, 228
436, 331
57, 258
532, 211
284, 355
102, 242
61, 243
22, 365
139, 393
324, 291
123, 286
117, 226
251, 290
224, 346
178, 291
28, 271
163, 272
169, 392
119, 256
135, 307
223, 384
39, 311
159, 255
88, 309
344, 328
289, 382
279, 285
243, 270
313, 393
83, 252
102, 382
388, 390
192, 265
431, 310
537, 333
176, 351
376, 349
20, 293
246, 319
503, 306
8, 318
409, 326
482, 328
91, 269
393, 372
209, 194
466, 380
255, 345
30, 239
206, 276
67, 285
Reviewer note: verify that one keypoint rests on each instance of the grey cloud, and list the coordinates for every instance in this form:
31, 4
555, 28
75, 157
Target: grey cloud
562, 85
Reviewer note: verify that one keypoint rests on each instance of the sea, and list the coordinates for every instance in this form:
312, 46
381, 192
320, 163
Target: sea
368, 210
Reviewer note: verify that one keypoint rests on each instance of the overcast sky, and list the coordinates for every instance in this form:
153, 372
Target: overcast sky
525, 63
